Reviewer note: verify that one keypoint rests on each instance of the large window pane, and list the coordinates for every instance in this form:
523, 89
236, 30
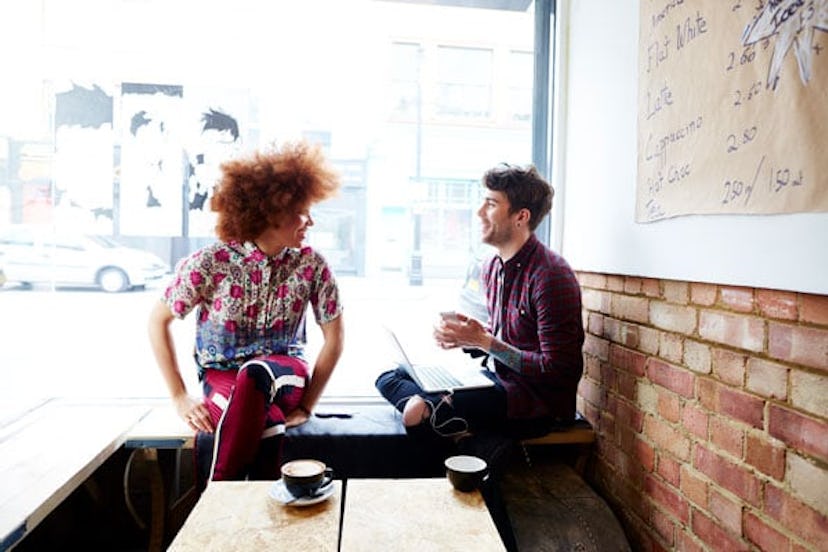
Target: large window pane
115, 117
464, 82
405, 72
520, 85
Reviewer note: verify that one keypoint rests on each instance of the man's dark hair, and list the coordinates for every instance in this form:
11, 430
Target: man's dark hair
216, 120
524, 187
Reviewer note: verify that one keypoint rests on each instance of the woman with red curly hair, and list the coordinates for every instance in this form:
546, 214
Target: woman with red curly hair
251, 290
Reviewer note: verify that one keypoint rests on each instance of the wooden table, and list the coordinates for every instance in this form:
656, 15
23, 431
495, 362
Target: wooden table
162, 430
240, 515
161, 427
416, 515
47, 451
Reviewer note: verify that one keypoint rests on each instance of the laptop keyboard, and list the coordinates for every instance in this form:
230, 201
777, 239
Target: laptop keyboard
435, 376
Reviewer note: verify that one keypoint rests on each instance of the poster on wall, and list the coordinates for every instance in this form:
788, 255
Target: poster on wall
83, 162
215, 120
151, 160
732, 107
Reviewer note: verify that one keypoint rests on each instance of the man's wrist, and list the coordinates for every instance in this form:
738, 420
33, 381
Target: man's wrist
304, 409
488, 343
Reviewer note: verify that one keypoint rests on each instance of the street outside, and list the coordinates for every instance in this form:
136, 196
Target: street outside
81, 343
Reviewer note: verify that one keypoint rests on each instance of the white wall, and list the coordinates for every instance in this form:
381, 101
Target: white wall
597, 152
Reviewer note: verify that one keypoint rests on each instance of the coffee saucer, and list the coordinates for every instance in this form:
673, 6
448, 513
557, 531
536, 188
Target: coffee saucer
279, 492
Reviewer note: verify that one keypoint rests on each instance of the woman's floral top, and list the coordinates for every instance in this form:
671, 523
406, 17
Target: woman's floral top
250, 304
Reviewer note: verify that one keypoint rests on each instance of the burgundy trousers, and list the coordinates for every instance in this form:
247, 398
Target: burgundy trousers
248, 408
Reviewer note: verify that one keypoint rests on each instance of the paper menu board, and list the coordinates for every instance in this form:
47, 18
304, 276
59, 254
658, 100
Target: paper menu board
732, 107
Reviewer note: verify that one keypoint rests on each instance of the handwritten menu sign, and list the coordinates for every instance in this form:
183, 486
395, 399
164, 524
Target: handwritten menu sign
732, 107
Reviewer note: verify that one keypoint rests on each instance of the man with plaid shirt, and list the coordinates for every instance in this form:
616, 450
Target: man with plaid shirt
532, 340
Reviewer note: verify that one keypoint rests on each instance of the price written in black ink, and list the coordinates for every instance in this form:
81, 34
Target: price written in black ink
745, 95
734, 142
746, 57
736, 190
781, 179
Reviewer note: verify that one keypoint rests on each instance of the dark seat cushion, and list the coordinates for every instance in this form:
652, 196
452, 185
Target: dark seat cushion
371, 442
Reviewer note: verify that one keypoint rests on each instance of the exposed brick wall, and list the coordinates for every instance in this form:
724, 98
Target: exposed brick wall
711, 408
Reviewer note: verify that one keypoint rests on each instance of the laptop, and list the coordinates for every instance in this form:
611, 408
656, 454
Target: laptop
436, 378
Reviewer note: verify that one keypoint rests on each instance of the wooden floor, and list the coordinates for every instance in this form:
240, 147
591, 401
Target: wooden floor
552, 509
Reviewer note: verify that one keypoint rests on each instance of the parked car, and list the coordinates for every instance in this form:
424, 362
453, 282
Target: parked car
33, 255
472, 294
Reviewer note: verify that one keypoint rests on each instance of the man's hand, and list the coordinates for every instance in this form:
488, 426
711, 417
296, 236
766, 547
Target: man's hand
461, 331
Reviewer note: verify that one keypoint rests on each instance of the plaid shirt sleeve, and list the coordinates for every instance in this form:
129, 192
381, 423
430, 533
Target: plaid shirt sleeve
544, 319
556, 296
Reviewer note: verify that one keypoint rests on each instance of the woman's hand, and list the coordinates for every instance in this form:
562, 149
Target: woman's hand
193, 412
297, 417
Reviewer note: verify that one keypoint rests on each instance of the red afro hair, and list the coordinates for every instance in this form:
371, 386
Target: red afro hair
255, 191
